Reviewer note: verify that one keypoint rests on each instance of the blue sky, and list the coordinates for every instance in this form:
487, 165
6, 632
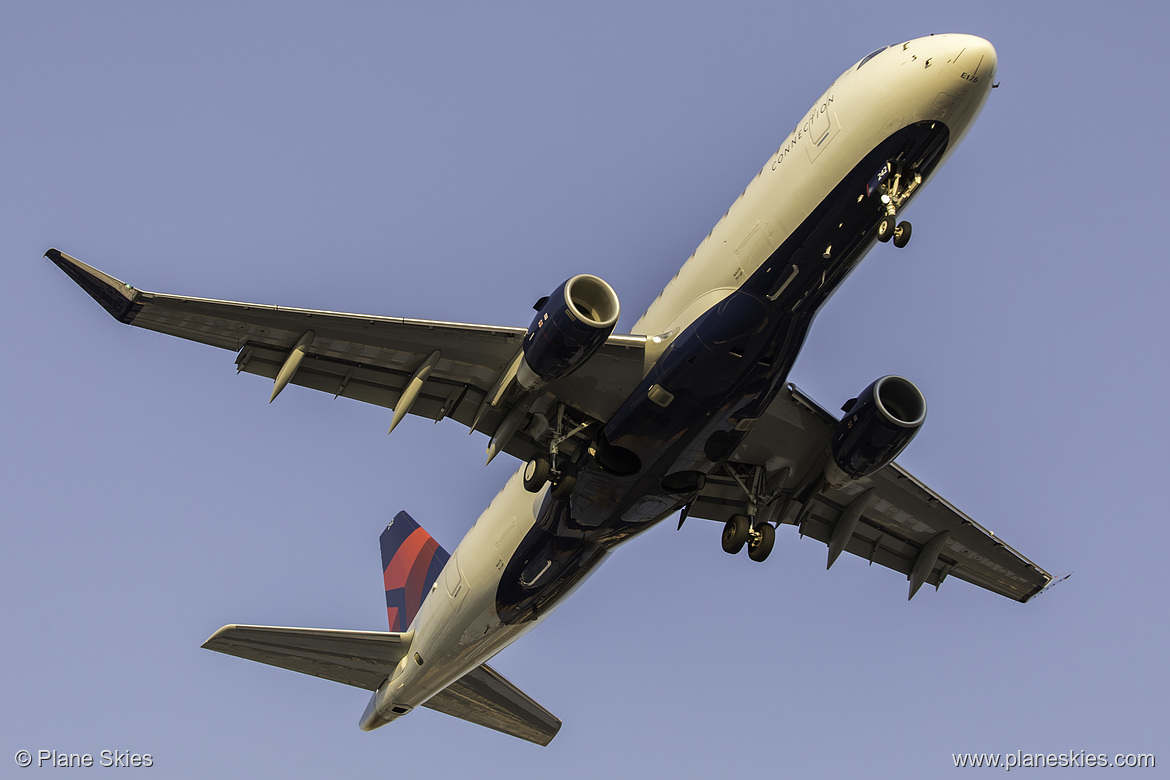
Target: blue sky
455, 161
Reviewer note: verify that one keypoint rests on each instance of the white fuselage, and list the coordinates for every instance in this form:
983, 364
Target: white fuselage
944, 78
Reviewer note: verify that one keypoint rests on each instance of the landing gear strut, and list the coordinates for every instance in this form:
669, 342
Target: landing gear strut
754, 529
554, 466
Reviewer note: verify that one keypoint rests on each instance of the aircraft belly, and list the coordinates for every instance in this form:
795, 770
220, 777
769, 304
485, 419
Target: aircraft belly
527, 553
698, 401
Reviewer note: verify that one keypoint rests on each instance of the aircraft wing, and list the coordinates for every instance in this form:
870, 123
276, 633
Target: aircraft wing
364, 659
371, 358
903, 524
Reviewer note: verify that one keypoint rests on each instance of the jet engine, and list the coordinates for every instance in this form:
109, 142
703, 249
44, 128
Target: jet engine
877, 426
570, 325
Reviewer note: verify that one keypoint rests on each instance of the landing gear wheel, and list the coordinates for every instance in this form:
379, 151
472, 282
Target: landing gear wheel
536, 473
564, 484
736, 533
761, 543
902, 234
886, 228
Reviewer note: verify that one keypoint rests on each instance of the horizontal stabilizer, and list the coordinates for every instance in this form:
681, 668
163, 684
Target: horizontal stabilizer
483, 696
364, 659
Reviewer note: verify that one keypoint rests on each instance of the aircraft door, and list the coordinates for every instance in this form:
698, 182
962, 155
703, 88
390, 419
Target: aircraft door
455, 582
820, 127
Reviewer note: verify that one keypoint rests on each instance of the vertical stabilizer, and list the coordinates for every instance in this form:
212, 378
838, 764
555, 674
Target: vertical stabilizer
411, 562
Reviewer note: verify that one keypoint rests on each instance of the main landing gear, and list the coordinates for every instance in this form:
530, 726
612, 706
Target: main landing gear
759, 538
539, 470
555, 466
761, 489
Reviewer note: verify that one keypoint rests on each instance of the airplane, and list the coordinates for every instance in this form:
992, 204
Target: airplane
689, 413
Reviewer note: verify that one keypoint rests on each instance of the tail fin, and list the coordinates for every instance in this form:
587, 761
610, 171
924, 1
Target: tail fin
411, 562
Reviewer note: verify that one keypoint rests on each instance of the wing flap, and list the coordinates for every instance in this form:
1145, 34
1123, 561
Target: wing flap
362, 659
440, 398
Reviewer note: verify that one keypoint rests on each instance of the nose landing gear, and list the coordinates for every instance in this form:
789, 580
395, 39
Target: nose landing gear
899, 232
895, 191
902, 234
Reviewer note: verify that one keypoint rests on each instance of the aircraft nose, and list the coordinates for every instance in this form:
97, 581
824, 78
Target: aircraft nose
973, 59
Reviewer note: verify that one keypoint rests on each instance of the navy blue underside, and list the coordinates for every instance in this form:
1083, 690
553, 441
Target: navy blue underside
722, 371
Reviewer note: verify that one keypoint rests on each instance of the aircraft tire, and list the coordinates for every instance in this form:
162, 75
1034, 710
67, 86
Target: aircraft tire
563, 487
760, 547
736, 533
902, 234
885, 229
536, 473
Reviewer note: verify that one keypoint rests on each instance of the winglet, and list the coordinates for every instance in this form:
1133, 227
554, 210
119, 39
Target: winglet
411, 562
115, 296
1051, 584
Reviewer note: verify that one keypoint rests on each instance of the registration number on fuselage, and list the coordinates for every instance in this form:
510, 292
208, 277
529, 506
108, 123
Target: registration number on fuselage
877, 180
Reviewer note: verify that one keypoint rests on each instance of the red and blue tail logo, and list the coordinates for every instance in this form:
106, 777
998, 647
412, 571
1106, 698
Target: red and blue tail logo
411, 562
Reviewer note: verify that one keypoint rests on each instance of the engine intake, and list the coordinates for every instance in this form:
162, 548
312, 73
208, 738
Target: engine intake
877, 426
570, 325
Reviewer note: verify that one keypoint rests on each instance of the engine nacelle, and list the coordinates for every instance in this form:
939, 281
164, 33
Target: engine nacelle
570, 325
877, 426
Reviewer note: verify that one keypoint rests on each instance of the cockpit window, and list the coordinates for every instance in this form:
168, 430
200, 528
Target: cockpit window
871, 56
